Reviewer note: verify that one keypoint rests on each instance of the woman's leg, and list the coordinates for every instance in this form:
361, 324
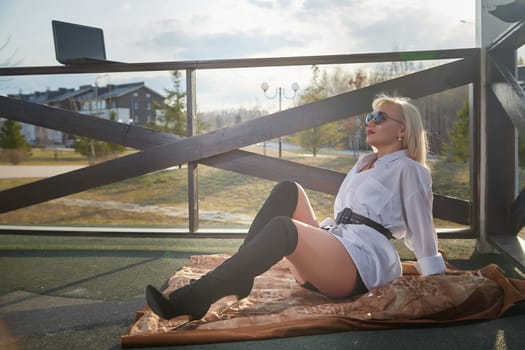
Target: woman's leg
322, 260
303, 213
282, 201
303, 210
287, 198
233, 277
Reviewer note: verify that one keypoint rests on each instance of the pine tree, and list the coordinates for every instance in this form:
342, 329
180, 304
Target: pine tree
458, 149
13, 143
521, 152
95, 150
172, 116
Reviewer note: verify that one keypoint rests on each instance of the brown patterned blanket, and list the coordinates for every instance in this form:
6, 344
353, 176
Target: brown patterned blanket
279, 307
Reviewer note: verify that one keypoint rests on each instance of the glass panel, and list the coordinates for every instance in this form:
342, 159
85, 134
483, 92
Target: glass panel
157, 199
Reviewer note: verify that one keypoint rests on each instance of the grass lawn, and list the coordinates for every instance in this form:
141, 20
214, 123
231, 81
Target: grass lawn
41, 156
219, 191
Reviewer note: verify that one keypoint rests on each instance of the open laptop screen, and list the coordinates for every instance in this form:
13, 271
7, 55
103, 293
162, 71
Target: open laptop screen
76, 43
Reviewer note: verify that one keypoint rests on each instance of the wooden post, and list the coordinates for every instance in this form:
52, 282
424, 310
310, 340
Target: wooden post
502, 32
475, 153
497, 135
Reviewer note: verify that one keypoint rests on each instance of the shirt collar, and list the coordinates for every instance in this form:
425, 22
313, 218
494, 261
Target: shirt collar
391, 157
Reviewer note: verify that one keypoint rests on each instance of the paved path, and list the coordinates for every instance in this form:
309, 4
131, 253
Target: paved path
29, 314
30, 171
19, 171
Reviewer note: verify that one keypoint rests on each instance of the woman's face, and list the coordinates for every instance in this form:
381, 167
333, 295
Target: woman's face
385, 135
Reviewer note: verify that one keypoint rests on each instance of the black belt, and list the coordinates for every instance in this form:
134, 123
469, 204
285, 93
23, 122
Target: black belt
348, 216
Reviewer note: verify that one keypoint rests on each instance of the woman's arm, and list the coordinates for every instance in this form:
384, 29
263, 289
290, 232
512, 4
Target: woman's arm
421, 235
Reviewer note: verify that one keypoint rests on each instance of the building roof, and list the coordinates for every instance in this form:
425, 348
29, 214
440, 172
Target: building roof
83, 93
68, 95
113, 91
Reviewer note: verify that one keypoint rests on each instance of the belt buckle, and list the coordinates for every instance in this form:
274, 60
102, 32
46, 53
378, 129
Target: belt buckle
346, 216
349, 219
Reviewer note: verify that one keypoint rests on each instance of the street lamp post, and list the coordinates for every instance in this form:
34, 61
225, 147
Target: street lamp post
97, 106
280, 93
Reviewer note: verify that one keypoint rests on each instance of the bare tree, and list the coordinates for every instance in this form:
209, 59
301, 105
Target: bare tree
10, 60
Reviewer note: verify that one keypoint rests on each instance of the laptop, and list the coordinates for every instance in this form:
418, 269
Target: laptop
78, 44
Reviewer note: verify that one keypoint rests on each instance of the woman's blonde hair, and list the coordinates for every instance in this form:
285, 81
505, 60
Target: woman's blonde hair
415, 140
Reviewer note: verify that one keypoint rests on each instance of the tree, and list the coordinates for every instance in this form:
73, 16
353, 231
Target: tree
115, 149
13, 143
325, 135
8, 61
96, 150
458, 149
521, 152
171, 115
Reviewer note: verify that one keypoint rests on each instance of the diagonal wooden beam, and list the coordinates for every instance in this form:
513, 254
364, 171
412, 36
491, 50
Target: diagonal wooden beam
244, 162
275, 169
517, 213
82, 125
248, 163
224, 140
512, 39
509, 94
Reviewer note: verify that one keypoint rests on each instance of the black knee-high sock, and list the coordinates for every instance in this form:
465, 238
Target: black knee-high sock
282, 201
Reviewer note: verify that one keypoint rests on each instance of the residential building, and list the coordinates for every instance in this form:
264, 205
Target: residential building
125, 103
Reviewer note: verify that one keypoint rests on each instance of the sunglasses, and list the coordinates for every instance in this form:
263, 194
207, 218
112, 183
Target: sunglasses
379, 117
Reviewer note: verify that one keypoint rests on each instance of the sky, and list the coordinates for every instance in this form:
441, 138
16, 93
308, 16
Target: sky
179, 30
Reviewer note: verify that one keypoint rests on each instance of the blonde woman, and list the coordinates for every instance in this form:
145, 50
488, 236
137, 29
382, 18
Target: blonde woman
386, 195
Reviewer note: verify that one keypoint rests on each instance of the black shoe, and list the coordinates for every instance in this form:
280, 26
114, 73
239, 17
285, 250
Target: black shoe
167, 309
194, 299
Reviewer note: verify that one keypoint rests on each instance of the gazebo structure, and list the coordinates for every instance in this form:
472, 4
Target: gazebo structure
494, 214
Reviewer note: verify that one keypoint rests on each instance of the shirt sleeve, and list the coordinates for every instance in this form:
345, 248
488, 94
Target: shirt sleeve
421, 235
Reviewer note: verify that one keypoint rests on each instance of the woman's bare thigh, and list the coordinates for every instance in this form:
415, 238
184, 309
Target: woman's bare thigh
322, 260
304, 211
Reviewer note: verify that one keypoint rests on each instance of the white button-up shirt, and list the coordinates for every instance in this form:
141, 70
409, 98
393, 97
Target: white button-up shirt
397, 193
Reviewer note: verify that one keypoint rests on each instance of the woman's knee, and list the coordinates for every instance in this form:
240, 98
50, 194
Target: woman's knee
286, 187
283, 221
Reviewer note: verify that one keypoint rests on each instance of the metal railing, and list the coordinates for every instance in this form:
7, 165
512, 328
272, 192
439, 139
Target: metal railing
221, 148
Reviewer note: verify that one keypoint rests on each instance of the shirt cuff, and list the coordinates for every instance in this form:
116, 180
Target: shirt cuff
431, 265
